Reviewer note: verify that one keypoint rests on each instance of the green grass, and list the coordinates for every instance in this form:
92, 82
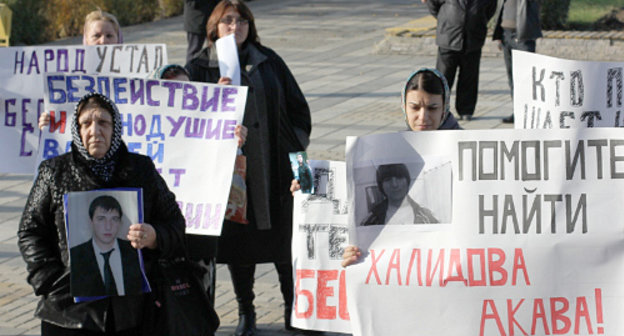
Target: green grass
583, 13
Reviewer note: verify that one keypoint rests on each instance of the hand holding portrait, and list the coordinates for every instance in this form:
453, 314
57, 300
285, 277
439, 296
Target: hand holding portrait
142, 235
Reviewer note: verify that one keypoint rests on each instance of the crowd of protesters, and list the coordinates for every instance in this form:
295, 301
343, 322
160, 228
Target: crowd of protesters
276, 122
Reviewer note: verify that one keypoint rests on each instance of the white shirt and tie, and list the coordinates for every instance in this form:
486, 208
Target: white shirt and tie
114, 262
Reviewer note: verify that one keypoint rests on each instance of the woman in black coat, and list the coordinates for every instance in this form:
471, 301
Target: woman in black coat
278, 120
98, 160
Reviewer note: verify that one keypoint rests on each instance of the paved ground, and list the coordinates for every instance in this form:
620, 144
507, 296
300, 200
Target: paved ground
328, 44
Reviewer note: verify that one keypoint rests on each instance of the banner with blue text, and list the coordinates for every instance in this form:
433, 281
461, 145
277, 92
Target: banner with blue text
186, 128
21, 87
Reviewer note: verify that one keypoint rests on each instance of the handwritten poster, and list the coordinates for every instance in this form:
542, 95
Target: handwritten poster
534, 245
320, 234
556, 93
22, 71
186, 128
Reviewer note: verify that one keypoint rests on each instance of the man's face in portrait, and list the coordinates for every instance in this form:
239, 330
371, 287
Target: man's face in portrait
106, 224
300, 159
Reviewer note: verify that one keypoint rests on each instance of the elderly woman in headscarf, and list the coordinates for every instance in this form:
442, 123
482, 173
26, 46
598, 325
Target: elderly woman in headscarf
98, 159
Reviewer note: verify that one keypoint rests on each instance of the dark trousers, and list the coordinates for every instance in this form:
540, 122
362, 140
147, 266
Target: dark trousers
209, 278
511, 43
195, 44
243, 281
467, 80
48, 329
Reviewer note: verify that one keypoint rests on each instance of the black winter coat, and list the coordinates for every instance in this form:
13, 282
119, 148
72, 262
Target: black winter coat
462, 24
42, 238
196, 13
528, 25
278, 119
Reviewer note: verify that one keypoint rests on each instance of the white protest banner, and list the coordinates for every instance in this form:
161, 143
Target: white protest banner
318, 241
551, 92
21, 87
533, 246
187, 128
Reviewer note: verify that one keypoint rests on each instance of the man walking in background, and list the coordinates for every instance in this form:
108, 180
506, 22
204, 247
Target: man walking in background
460, 34
517, 27
196, 13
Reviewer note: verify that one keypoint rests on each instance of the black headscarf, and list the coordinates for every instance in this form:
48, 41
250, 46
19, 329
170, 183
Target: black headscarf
105, 166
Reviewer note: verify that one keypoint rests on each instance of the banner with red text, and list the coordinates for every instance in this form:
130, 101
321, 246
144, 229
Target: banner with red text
530, 241
21, 87
551, 92
186, 128
319, 237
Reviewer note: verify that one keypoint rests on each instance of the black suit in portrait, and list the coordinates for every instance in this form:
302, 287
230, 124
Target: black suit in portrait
88, 280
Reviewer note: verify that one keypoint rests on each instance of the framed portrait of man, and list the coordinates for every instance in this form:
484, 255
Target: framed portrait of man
102, 260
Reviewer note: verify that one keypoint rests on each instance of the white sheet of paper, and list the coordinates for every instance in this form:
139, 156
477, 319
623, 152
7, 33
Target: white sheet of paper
227, 52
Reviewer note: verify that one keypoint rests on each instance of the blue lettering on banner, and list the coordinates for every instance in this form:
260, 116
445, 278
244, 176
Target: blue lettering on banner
210, 101
71, 89
48, 60
134, 147
176, 125
139, 125
155, 129
177, 173
50, 148
137, 92
126, 124
172, 86
156, 151
118, 88
227, 99
10, 118
201, 215
189, 98
57, 96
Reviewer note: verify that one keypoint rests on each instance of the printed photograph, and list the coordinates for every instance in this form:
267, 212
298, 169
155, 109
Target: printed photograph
399, 193
302, 172
102, 260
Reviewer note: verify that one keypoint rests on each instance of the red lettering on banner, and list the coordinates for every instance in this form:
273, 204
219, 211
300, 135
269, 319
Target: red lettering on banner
511, 320
519, 264
440, 263
303, 274
415, 252
60, 124
395, 264
494, 315
455, 266
374, 266
581, 311
322, 292
479, 267
321, 289
539, 313
557, 315
343, 312
496, 266
562, 316
471, 273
